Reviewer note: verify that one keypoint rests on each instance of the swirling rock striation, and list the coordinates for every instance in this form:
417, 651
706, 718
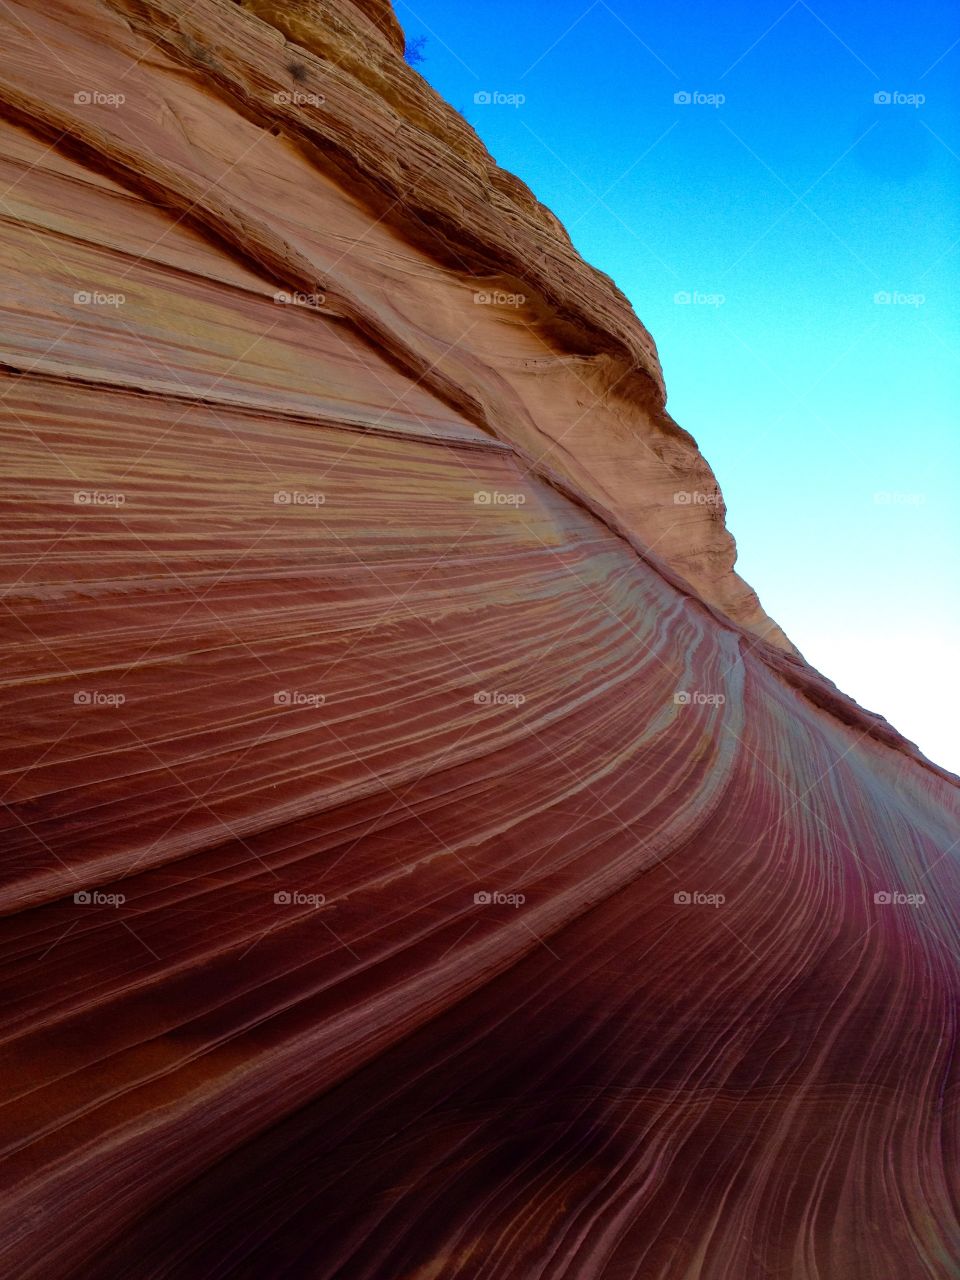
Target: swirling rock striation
423, 857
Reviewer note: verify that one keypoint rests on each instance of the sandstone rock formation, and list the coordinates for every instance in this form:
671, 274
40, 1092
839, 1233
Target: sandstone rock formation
424, 858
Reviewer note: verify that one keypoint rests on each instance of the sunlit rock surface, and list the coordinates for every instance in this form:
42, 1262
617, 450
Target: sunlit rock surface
423, 857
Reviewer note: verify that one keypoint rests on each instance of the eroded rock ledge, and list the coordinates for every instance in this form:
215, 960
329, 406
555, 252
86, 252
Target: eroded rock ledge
572, 377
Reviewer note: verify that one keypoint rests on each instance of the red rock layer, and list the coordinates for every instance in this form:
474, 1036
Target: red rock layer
411, 870
378, 196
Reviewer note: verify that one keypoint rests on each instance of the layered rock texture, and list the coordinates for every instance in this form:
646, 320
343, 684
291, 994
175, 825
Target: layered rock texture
424, 858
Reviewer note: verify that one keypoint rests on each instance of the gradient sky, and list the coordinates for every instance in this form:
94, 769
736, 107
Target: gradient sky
831, 419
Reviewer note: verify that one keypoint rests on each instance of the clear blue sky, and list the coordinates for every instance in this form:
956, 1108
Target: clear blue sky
798, 199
